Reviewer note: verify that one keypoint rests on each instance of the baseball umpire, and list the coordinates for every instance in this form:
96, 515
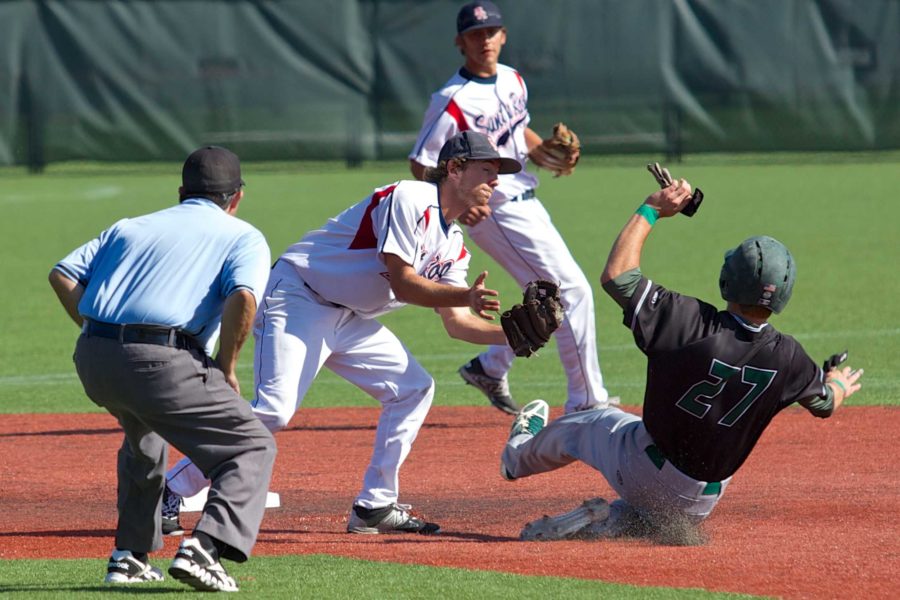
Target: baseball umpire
151, 295
715, 379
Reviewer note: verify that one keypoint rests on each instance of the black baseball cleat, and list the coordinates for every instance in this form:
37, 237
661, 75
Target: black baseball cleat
496, 389
393, 518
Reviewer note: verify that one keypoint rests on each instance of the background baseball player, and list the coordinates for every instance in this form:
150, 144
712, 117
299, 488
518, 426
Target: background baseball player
398, 246
150, 300
515, 230
715, 379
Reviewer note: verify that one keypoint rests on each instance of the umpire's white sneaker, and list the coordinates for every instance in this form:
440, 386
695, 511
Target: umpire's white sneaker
529, 421
123, 567
197, 568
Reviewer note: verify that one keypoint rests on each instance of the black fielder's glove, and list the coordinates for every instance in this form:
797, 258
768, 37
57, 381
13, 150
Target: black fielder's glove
664, 179
528, 326
834, 360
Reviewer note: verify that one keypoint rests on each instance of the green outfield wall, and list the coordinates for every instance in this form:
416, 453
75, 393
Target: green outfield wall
350, 79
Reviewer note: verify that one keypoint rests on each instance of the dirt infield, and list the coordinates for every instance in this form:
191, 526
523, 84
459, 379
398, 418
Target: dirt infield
813, 513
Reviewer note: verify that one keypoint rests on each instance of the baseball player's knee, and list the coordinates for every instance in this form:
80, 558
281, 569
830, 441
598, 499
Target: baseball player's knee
427, 387
274, 407
576, 291
273, 420
418, 389
423, 387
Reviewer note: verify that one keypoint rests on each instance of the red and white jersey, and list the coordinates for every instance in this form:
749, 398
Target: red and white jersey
495, 106
343, 262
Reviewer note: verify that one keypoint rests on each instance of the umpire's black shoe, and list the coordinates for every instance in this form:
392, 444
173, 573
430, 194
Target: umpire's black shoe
171, 512
393, 518
496, 390
198, 568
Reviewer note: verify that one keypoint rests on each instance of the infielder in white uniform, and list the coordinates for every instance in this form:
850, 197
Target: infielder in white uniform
398, 246
515, 230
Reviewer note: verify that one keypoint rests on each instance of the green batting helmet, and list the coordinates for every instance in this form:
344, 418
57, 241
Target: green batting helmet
759, 272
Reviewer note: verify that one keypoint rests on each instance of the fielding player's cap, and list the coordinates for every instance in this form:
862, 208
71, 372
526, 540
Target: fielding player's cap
761, 272
472, 145
211, 169
478, 15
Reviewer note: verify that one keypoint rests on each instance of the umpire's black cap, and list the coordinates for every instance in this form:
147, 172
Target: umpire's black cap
211, 169
473, 145
478, 15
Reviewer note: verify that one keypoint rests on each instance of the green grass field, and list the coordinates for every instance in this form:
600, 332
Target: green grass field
326, 577
835, 216
835, 213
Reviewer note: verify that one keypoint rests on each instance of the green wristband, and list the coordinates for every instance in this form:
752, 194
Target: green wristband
648, 212
839, 384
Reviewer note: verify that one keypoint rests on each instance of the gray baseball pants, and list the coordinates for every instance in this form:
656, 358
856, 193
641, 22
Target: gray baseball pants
161, 394
615, 443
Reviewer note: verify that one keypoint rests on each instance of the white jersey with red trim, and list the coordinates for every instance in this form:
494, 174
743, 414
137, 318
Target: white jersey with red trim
495, 106
343, 262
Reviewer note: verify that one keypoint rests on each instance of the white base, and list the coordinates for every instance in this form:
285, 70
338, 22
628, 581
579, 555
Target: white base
197, 502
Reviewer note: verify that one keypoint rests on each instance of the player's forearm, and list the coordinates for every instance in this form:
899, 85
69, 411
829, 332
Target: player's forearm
237, 319
69, 293
463, 325
411, 288
819, 406
433, 295
626, 251
840, 384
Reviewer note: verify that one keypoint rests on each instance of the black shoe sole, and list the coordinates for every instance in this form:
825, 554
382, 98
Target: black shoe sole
172, 531
505, 408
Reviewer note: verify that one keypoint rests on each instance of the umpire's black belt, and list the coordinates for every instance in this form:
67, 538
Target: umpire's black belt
712, 488
157, 335
526, 195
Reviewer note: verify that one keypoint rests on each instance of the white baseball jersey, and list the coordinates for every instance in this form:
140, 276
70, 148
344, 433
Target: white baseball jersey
495, 106
343, 262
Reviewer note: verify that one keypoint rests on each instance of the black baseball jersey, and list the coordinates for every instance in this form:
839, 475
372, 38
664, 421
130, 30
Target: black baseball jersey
707, 401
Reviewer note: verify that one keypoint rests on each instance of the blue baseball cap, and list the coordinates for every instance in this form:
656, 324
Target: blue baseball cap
473, 145
478, 15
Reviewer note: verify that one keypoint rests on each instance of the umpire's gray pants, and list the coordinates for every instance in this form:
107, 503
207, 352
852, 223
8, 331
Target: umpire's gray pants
615, 443
161, 394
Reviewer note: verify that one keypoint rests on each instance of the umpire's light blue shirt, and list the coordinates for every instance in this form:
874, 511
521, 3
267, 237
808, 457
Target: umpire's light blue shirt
174, 267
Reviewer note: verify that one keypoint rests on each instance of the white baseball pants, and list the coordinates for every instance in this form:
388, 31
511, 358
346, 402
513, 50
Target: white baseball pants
521, 237
296, 334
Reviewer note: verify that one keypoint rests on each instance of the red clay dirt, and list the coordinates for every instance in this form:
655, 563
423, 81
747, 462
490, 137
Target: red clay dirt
812, 514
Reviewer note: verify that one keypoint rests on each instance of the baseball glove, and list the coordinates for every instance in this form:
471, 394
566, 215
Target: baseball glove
528, 326
558, 153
